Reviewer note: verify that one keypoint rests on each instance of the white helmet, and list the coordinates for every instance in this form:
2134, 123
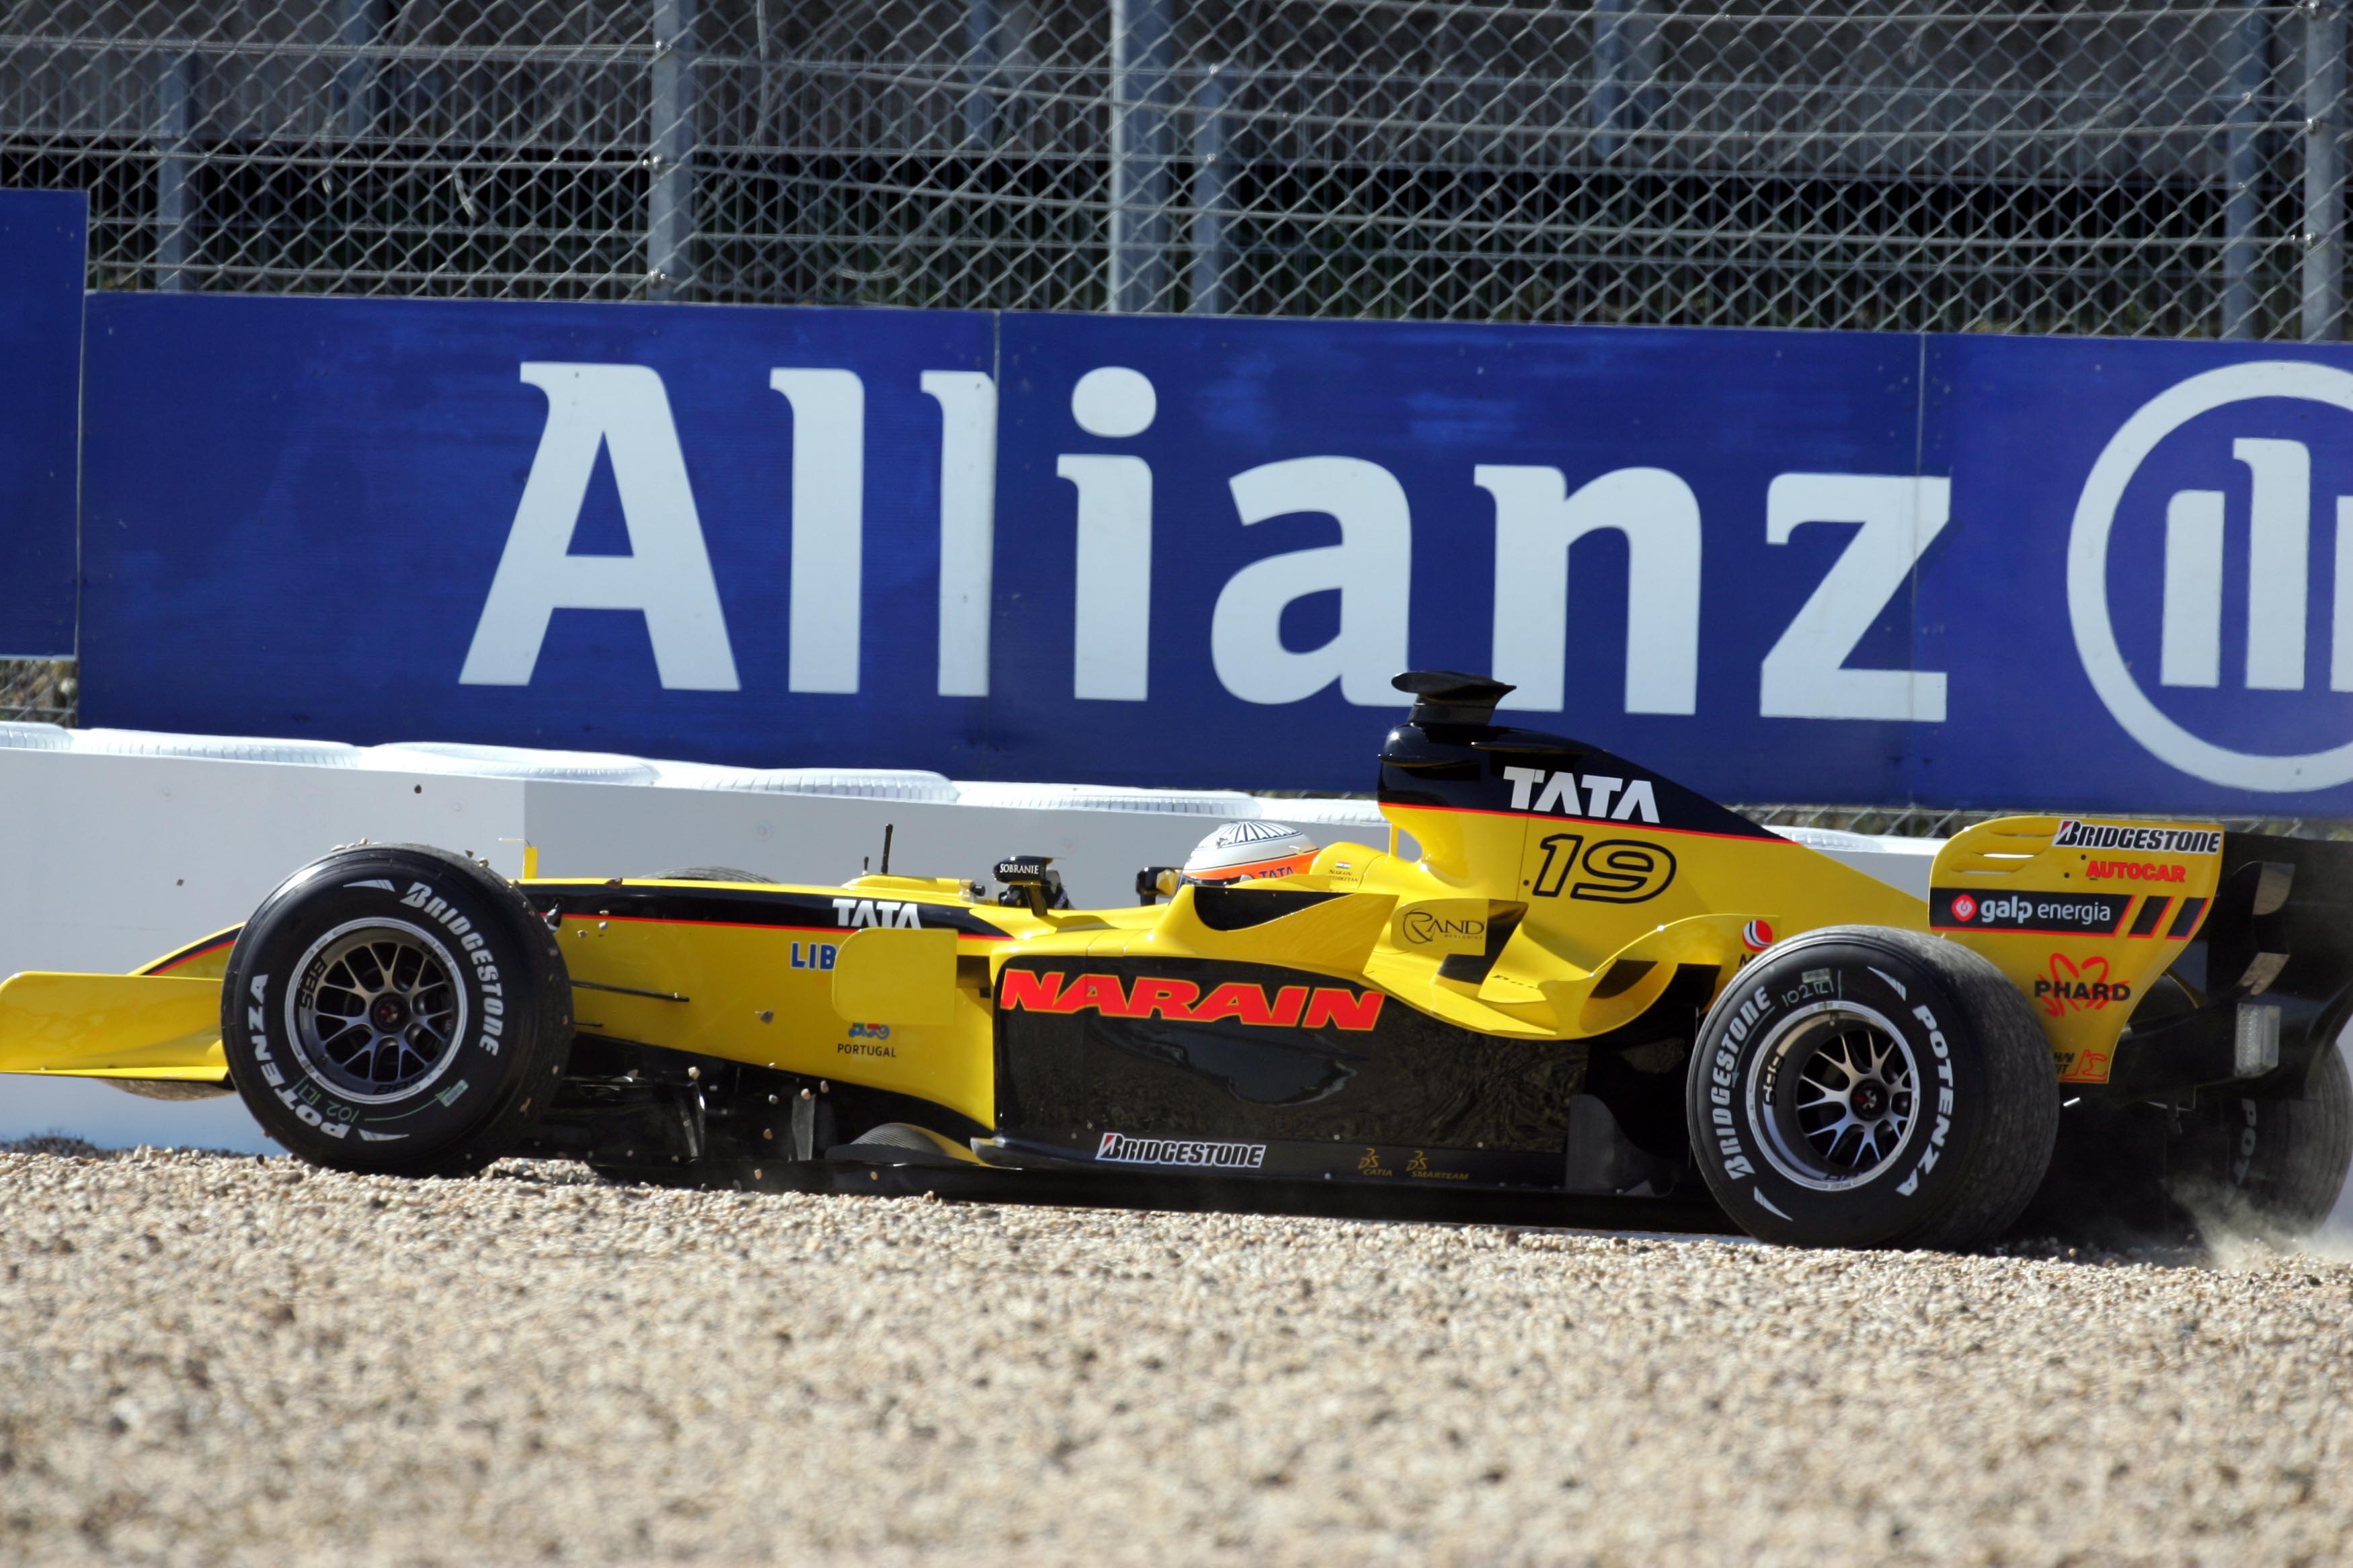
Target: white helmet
1259, 848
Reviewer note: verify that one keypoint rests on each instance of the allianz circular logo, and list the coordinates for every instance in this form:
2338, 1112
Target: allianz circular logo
2275, 564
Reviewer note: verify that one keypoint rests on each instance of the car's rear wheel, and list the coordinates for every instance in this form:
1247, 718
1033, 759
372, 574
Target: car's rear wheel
396, 1009
1865, 1087
2275, 1166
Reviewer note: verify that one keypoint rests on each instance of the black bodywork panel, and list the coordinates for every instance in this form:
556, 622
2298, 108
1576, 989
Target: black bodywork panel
2280, 934
626, 1105
1459, 768
1360, 1085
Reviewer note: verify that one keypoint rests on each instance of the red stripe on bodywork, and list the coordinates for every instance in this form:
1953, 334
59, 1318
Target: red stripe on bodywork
188, 955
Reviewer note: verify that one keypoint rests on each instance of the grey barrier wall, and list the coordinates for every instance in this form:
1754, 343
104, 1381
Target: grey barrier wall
2145, 169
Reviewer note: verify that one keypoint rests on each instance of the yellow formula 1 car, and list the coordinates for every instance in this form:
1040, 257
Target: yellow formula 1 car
1591, 981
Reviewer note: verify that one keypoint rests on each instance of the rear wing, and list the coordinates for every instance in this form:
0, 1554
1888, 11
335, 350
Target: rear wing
2160, 956
2267, 984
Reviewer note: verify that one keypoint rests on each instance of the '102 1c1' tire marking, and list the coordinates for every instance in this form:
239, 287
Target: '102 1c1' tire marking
256, 1031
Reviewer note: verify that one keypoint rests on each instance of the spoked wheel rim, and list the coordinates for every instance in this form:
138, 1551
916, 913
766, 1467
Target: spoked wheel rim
377, 1012
1835, 1096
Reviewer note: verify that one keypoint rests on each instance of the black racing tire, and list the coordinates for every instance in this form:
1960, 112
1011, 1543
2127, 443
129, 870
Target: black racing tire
396, 1009
1866, 1087
2276, 1166
713, 874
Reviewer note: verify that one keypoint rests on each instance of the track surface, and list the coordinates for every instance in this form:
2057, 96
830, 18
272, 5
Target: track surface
210, 1357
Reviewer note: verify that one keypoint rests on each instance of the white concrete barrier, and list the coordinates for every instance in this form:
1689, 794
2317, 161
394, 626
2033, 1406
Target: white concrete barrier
1899, 862
218, 748
36, 737
861, 783
506, 762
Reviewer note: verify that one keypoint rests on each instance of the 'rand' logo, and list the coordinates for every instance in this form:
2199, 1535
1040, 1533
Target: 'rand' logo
2279, 565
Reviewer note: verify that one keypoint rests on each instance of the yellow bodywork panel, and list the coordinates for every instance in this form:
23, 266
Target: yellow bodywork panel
763, 993
897, 977
2083, 916
1584, 938
1602, 916
112, 1025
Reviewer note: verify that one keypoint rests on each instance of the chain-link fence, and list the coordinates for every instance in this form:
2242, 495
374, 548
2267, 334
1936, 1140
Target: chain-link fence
39, 690
2133, 167
1984, 164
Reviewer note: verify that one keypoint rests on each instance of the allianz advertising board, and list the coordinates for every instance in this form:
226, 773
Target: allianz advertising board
43, 234
1168, 551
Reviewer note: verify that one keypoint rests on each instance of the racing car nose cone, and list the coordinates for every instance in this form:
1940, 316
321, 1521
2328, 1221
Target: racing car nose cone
1870, 1100
389, 1012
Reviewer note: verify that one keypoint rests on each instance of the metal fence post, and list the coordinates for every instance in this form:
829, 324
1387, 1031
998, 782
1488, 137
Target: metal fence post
1645, 97
1212, 181
2324, 170
669, 195
175, 95
2249, 54
1606, 108
362, 23
1141, 50
980, 23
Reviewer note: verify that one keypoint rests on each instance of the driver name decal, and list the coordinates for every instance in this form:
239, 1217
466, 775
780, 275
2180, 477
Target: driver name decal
1182, 1001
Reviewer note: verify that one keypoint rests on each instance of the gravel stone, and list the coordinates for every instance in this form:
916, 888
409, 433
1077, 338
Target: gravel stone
213, 1358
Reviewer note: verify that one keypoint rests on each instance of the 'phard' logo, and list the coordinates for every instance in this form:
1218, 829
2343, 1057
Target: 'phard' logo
2073, 987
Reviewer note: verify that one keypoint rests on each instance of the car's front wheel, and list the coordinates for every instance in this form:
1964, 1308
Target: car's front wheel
1859, 1085
395, 1009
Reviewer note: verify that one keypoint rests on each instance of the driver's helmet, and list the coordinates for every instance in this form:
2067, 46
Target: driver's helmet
1239, 849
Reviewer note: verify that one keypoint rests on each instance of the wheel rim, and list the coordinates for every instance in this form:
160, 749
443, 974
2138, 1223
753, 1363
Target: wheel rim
377, 1014
1834, 1096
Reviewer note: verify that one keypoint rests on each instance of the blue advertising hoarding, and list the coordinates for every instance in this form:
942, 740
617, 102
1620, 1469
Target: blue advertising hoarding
2151, 598
1582, 513
43, 234
1177, 551
692, 532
